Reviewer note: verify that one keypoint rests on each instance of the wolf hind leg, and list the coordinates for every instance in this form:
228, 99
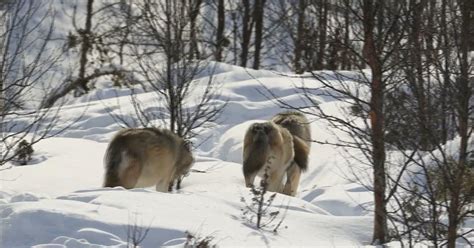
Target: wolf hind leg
293, 175
162, 185
131, 173
274, 181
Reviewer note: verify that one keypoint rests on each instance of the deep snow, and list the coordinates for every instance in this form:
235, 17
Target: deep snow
58, 201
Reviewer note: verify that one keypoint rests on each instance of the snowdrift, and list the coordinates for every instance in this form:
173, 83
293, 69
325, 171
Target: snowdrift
58, 201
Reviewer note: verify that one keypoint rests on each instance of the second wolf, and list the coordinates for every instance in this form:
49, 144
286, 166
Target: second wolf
143, 157
298, 125
277, 147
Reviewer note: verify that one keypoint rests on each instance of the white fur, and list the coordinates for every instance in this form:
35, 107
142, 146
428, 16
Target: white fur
124, 163
277, 168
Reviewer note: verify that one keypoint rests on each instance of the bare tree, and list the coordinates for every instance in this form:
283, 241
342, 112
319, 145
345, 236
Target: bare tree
220, 39
247, 27
322, 27
438, 77
168, 43
372, 54
86, 45
259, 210
258, 16
314, 28
161, 45
28, 60
366, 94
401, 114
463, 89
90, 40
136, 232
300, 36
193, 14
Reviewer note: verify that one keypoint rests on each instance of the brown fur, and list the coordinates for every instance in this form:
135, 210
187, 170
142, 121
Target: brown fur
297, 124
143, 157
267, 145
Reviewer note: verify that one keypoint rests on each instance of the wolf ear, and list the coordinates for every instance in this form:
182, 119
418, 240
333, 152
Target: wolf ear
301, 153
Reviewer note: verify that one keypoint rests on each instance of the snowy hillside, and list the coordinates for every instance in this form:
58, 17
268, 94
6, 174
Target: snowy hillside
58, 201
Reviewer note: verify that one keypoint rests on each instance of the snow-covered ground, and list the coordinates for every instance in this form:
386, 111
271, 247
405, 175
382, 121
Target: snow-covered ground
58, 201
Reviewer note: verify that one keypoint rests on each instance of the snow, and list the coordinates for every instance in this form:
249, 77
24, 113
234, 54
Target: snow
58, 200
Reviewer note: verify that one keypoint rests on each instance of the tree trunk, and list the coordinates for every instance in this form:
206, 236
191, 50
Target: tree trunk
323, 18
378, 156
377, 123
193, 14
299, 42
445, 72
464, 92
234, 35
172, 56
123, 40
247, 27
220, 29
346, 63
2, 110
258, 17
417, 68
85, 47
334, 48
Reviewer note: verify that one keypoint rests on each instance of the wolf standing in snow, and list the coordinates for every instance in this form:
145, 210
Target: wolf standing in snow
143, 157
268, 148
298, 125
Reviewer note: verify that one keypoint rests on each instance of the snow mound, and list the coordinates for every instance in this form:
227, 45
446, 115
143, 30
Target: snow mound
59, 202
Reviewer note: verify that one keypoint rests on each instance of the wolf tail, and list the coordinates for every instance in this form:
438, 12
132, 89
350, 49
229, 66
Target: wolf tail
113, 158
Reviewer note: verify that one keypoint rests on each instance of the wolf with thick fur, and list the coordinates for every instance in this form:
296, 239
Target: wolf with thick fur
298, 125
143, 157
268, 148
